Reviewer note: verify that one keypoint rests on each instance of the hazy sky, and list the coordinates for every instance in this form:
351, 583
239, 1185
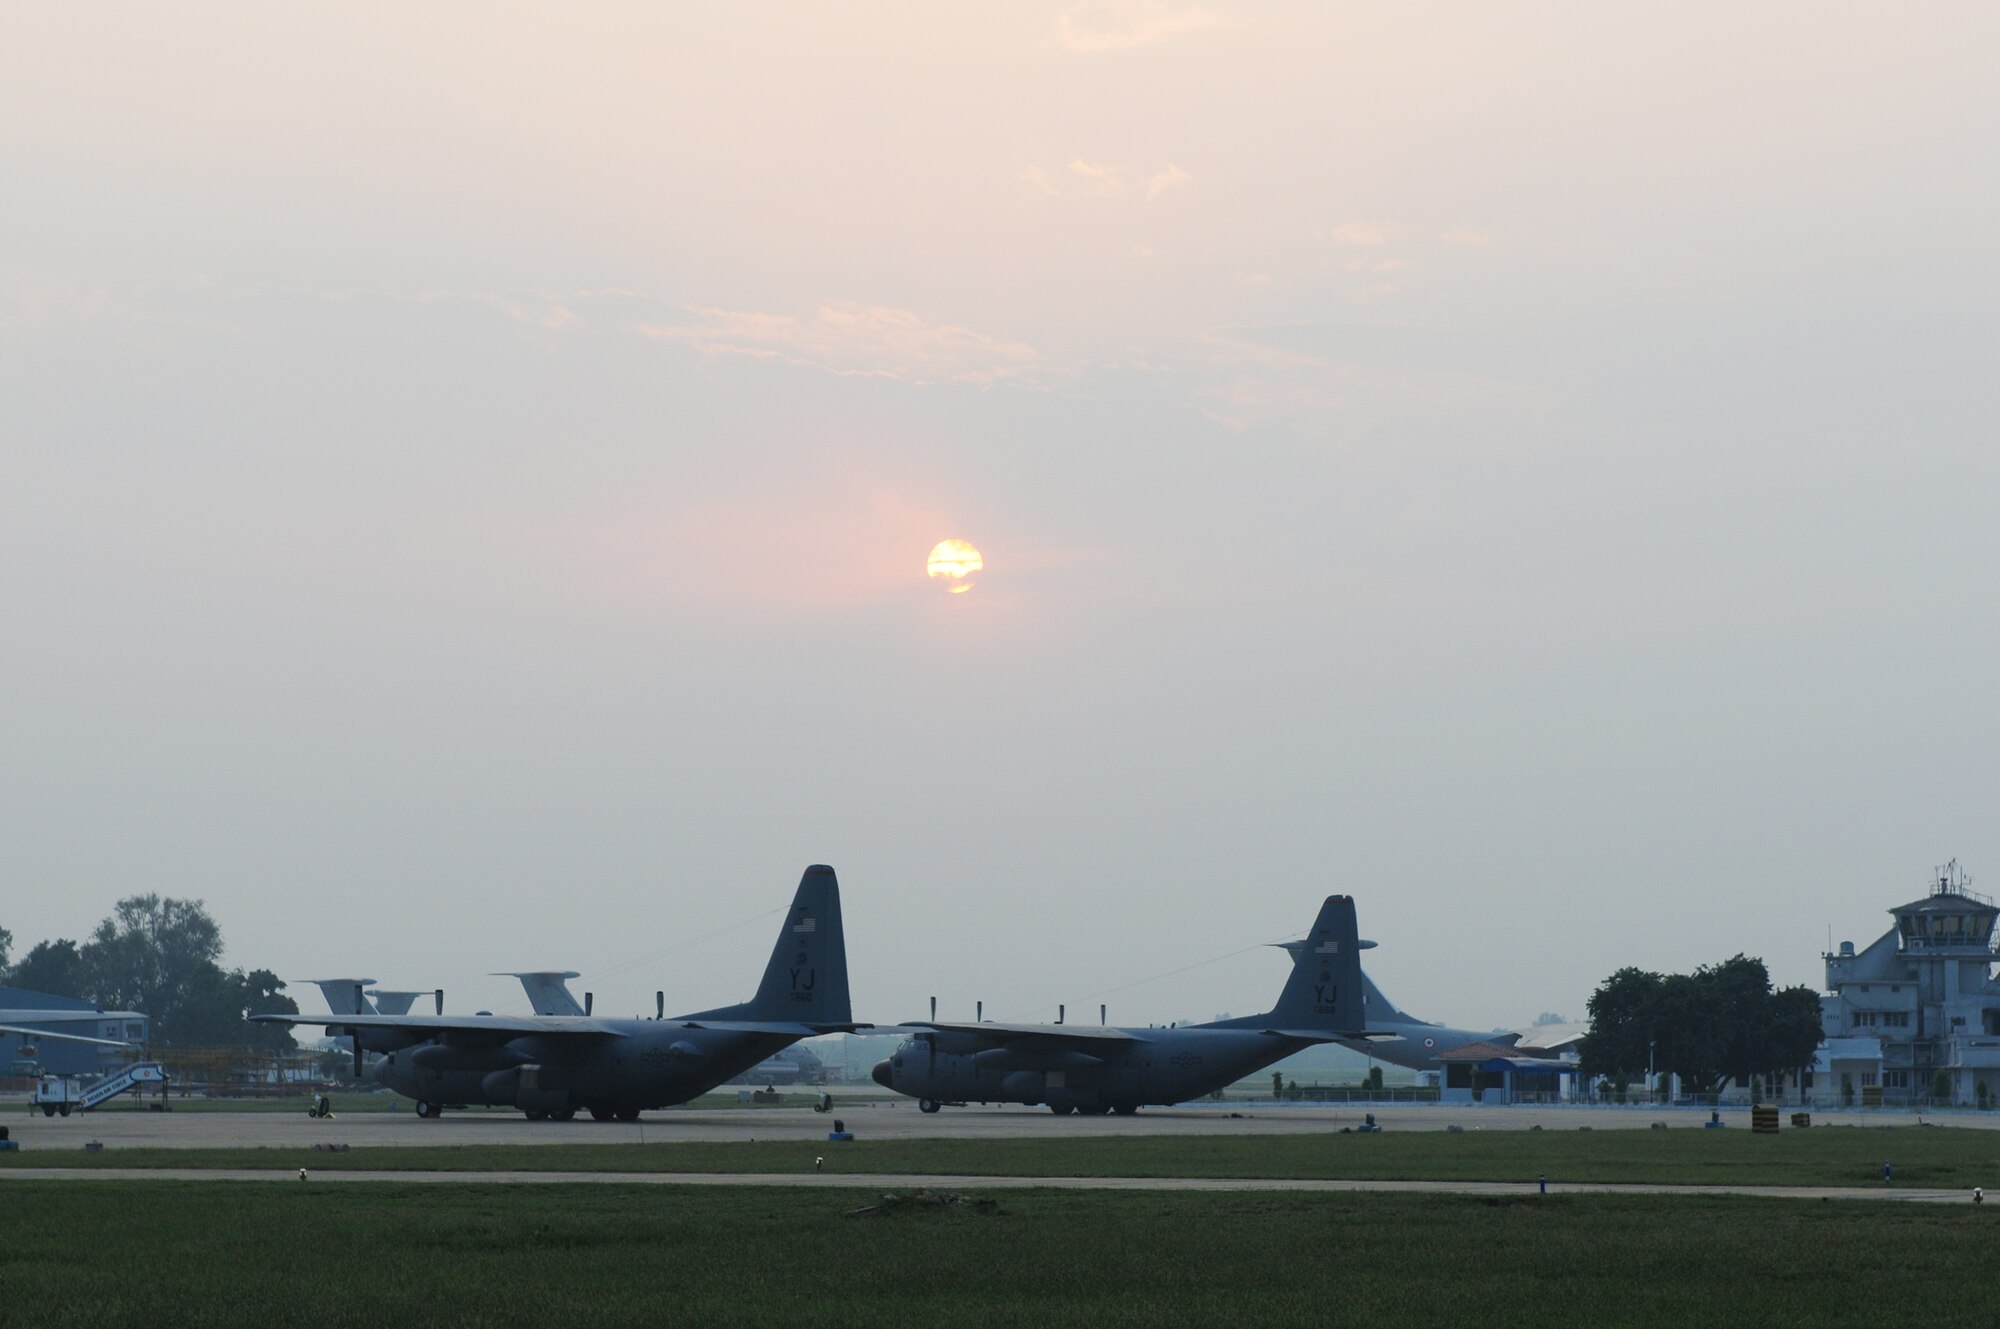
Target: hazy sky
466, 473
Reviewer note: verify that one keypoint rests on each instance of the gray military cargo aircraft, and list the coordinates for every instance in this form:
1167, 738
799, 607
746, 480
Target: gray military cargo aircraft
1404, 1040
552, 1066
1081, 1068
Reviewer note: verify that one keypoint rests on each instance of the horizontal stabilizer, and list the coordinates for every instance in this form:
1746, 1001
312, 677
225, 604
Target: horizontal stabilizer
786, 1028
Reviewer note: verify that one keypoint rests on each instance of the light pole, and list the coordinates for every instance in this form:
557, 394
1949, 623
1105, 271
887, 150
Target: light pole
1652, 1088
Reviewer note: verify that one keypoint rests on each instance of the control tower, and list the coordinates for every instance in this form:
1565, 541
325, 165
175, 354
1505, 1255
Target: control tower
1925, 990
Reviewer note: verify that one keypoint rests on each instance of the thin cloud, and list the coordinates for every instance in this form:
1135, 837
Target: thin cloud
34, 302
1121, 25
1039, 179
1106, 181
1262, 376
1360, 234
1168, 179
856, 339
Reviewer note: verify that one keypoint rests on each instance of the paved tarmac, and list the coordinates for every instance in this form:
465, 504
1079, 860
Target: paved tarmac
121, 1127
902, 1183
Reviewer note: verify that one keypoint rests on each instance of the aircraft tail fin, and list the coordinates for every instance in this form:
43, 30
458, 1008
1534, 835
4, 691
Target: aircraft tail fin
393, 1003
547, 990
1325, 988
343, 995
805, 981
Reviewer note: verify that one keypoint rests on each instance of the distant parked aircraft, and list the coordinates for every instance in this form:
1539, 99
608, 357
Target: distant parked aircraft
1404, 1040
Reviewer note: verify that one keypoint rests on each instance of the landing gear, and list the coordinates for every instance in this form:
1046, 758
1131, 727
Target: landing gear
430, 1111
567, 1114
928, 1105
536, 1114
601, 1113
1097, 1111
1060, 1108
1125, 1109
628, 1114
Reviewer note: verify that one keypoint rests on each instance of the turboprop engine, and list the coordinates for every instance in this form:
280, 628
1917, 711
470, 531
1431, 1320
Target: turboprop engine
447, 1057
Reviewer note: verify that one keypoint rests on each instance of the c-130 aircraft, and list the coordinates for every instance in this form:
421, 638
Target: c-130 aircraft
1074, 1068
551, 1066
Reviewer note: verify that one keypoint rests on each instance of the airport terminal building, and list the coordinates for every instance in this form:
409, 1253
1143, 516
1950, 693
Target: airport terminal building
1915, 1015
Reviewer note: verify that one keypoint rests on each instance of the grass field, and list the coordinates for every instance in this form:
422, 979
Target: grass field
1923, 1157
335, 1256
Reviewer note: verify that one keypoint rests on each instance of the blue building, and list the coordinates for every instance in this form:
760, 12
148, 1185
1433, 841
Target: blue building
64, 1015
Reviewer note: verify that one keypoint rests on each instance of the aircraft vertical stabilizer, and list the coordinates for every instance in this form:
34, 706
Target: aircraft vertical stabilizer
344, 996
547, 990
806, 979
1325, 989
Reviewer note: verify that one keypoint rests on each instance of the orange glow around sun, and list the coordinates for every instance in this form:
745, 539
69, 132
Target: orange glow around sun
952, 564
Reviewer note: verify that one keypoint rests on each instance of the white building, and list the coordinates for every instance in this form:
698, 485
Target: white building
1916, 1015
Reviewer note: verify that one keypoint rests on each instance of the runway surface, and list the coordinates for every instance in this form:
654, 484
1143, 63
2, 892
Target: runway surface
123, 1128
903, 1183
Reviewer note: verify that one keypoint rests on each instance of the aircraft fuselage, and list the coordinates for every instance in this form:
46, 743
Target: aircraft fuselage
641, 1064
1417, 1045
1157, 1067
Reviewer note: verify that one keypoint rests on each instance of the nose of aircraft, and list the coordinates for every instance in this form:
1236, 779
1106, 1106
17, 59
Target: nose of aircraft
881, 1075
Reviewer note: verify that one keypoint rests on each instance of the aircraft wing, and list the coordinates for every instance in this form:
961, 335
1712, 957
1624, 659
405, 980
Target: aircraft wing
1323, 1036
1014, 1033
28, 1032
501, 1026
772, 1027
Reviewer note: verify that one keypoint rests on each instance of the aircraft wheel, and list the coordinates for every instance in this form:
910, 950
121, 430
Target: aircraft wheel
1058, 1108
628, 1114
63, 1108
428, 1111
567, 1114
537, 1115
601, 1113
1126, 1109
928, 1105
1097, 1111
48, 1109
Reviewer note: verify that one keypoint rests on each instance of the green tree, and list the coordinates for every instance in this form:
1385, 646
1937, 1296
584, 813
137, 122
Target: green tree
264, 994
55, 967
6, 944
1796, 1032
158, 955
1720, 1021
1622, 1015
1690, 1042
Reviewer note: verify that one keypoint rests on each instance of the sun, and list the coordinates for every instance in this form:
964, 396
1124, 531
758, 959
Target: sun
953, 564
